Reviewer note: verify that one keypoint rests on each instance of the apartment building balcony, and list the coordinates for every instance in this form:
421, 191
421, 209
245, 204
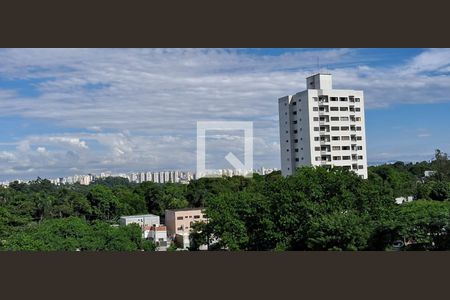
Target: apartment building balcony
323, 99
323, 120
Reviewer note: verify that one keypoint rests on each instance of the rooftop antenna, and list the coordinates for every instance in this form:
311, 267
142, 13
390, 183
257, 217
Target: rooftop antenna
318, 65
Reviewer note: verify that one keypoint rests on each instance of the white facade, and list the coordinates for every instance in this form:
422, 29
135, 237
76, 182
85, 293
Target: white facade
141, 220
322, 126
401, 200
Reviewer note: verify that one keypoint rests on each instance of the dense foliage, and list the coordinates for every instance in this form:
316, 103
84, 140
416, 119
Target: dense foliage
315, 209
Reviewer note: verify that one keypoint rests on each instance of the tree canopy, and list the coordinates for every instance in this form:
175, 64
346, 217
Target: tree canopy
314, 209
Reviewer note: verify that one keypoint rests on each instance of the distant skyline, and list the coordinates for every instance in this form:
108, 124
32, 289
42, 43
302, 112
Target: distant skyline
79, 111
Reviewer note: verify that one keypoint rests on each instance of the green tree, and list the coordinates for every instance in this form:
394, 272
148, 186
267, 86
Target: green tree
105, 205
425, 224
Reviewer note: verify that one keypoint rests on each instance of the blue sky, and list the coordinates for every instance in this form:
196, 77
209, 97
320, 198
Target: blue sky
75, 111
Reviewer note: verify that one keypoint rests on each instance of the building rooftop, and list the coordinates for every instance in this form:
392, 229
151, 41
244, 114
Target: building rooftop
186, 209
139, 216
156, 228
320, 73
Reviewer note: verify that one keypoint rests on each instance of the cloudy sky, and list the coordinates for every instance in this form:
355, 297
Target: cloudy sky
75, 111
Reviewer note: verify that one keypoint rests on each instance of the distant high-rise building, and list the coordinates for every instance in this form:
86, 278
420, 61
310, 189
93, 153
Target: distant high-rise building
148, 176
155, 177
322, 126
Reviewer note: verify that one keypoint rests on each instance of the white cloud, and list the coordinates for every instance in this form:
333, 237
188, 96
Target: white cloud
141, 105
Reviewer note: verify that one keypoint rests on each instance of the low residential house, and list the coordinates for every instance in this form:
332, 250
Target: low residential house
401, 200
144, 221
429, 173
158, 234
179, 223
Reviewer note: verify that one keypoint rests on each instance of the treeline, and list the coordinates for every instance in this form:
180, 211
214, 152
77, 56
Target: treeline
42, 216
320, 209
316, 209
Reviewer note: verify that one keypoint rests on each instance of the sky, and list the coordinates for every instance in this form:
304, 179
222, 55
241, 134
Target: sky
79, 111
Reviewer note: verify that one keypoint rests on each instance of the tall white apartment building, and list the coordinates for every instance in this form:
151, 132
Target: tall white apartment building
323, 127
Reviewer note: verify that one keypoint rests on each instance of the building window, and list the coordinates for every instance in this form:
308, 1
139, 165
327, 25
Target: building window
345, 157
358, 128
345, 138
296, 141
334, 99
334, 128
296, 150
316, 128
179, 218
336, 148
344, 118
295, 131
334, 108
287, 150
336, 158
357, 109
343, 99
294, 112
344, 128
315, 109
343, 108
359, 147
360, 157
317, 148
197, 217
345, 147
294, 122
296, 159
294, 103
360, 167
334, 118
315, 119
316, 138
335, 138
